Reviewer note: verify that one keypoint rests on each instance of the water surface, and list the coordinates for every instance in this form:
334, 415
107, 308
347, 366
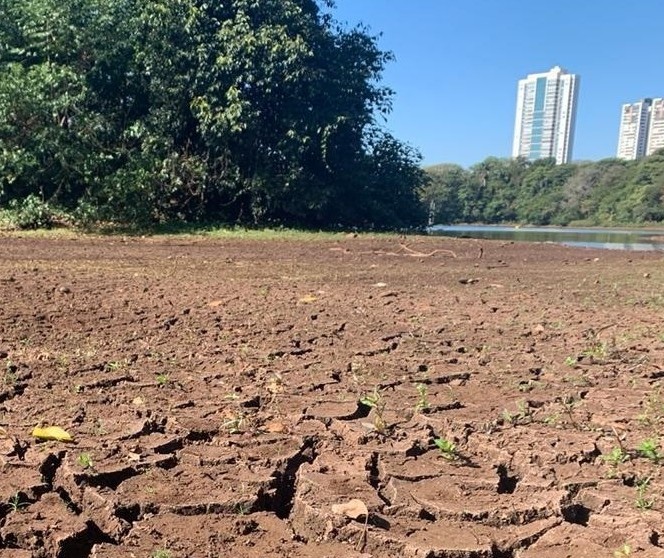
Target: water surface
606, 238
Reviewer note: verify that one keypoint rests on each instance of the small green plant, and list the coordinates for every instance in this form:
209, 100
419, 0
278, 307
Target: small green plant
275, 385
264, 291
571, 361
85, 460
522, 415
423, 398
114, 365
161, 553
624, 551
31, 213
242, 508
616, 456
162, 380
650, 450
16, 503
98, 428
530, 385
447, 448
62, 362
377, 403
524, 409
642, 502
598, 351
653, 409
10, 378
578, 380
569, 405
235, 424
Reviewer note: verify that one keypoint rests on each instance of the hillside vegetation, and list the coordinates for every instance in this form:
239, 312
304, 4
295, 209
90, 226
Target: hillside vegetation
606, 192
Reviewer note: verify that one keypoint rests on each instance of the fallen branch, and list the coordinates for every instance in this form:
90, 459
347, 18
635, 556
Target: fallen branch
406, 251
417, 254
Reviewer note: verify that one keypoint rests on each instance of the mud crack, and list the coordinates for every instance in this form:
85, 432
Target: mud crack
280, 500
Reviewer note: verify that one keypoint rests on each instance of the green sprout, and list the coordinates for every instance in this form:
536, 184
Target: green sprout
423, 401
650, 450
98, 428
114, 365
85, 460
616, 456
377, 403
242, 508
523, 414
653, 409
162, 380
569, 404
530, 385
16, 503
235, 424
447, 448
598, 351
571, 361
642, 503
10, 374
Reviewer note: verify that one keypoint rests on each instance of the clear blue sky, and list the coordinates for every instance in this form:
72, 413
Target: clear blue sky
458, 62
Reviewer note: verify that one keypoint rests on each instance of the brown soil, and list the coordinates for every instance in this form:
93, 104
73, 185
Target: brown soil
214, 391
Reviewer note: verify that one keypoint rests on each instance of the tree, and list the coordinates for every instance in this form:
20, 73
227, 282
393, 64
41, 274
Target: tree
441, 195
155, 110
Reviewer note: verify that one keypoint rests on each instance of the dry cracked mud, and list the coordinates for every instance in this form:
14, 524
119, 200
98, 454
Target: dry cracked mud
225, 395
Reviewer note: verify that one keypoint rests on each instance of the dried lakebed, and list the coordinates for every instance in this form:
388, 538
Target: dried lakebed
480, 398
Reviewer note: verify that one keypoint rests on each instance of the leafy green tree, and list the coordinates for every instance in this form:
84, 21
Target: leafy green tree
541, 193
644, 199
155, 110
441, 194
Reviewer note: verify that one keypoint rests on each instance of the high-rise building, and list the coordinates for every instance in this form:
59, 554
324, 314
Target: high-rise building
634, 124
545, 115
656, 128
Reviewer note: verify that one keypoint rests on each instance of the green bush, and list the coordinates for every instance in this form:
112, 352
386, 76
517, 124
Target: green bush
31, 213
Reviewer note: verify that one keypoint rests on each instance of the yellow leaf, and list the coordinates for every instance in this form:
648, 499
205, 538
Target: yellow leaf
308, 299
52, 433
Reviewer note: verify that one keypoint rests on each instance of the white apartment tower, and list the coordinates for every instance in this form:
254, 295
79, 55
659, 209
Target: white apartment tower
545, 115
656, 128
641, 129
634, 123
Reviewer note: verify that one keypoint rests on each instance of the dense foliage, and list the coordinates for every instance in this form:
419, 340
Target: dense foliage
147, 111
607, 192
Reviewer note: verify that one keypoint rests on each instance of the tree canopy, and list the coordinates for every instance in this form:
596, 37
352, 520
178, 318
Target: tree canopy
146, 111
606, 192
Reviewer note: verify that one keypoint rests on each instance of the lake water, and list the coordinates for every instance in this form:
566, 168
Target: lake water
606, 238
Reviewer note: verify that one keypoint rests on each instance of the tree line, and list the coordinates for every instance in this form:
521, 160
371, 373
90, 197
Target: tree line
606, 192
242, 111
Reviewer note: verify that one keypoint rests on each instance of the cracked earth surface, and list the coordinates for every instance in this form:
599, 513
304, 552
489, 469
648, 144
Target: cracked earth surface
224, 395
